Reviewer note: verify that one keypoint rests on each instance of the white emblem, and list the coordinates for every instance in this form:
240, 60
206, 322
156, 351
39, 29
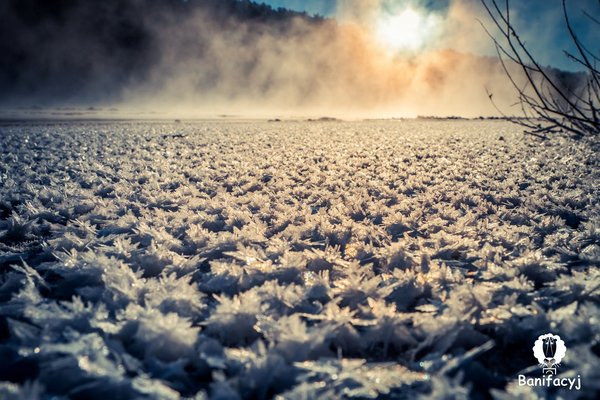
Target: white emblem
549, 350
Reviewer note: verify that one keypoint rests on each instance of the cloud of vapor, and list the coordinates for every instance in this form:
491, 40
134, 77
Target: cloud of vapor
225, 58
330, 67
335, 67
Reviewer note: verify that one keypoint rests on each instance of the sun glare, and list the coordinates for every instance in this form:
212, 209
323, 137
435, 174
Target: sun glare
408, 30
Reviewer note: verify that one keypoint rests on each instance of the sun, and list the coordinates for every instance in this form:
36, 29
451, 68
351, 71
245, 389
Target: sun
408, 30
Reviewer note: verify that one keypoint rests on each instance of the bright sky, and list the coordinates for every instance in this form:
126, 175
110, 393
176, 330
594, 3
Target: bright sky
539, 21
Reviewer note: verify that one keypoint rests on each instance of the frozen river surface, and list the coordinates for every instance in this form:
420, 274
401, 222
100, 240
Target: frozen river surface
296, 259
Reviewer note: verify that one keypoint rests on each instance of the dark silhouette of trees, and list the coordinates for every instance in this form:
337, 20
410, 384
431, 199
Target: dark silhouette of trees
92, 49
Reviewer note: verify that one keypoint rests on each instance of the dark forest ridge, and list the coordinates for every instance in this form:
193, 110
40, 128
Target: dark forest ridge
73, 47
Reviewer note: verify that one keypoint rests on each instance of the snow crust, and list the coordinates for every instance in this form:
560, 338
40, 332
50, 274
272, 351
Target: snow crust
302, 260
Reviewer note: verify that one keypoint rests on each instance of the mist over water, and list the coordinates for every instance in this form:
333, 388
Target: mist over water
202, 58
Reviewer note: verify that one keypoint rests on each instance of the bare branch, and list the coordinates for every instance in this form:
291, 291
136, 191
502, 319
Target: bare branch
548, 103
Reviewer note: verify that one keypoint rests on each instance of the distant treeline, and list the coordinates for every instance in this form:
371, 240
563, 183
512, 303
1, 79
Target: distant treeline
481, 117
78, 47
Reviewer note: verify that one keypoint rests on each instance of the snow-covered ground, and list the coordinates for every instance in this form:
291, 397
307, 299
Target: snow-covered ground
305, 260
